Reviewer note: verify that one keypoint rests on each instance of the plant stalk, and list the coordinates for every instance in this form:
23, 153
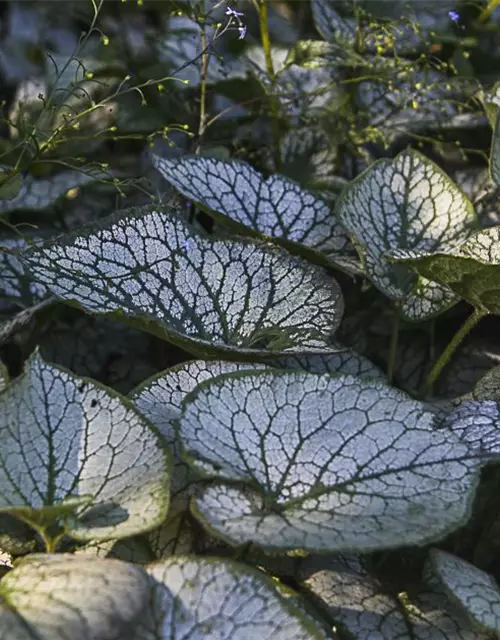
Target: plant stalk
488, 10
274, 104
454, 343
393, 346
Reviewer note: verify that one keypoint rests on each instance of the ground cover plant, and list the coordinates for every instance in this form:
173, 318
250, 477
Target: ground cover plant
249, 300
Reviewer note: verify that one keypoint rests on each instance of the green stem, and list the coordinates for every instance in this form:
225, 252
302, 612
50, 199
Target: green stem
490, 7
275, 109
393, 346
203, 88
454, 343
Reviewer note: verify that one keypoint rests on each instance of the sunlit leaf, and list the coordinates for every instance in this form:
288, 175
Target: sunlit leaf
473, 590
322, 463
405, 203
359, 605
276, 207
57, 597
471, 268
212, 599
232, 296
75, 454
160, 399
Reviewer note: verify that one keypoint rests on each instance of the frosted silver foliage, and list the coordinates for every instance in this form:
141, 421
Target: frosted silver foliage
211, 599
57, 597
275, 207
470, 268
405, 203
78, 454
209, 295
331, 24
358, 601
159, 399
321, 462
39, 193
475, 591
477, 424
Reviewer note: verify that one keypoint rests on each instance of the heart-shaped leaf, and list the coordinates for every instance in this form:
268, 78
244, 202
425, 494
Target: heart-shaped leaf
57, 597
276, 207
359, 605
473, 590
79, 456
327, 463
405, 203
210, 296
211, 599
470, 268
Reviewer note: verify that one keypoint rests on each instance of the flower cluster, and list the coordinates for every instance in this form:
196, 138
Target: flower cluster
237, 15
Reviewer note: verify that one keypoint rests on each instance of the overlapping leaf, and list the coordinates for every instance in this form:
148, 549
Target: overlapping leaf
471, 268
473, 590
211, 599
159, 399
325, 463
344, 361
57, 597
211, 296
276, 207
359, 604
75, 454
477, 423
405, 203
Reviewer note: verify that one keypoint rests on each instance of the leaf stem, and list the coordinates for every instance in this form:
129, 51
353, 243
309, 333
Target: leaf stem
203, 85
393, 346
454, 343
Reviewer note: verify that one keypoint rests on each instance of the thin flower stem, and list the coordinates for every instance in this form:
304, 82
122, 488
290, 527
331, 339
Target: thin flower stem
393, 346
454, 343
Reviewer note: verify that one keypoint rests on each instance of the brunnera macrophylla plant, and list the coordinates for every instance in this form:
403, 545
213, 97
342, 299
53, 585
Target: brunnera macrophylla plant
198, 443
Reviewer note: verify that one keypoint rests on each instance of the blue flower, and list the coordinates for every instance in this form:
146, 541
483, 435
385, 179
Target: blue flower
454, 15
233, 13
243, 32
